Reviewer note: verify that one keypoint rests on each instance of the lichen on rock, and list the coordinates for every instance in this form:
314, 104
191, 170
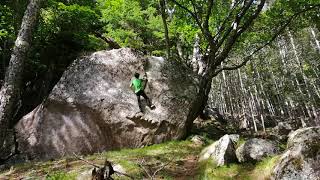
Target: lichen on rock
222, 151
256, 149
302, 158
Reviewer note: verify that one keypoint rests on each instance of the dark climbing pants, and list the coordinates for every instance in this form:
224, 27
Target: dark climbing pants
141, 93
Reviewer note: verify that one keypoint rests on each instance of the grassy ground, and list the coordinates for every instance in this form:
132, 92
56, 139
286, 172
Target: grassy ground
261, 171
181, 158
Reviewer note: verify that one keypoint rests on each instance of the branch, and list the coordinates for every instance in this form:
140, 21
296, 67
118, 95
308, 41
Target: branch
4, 160
191, 13
237, 21
206, 20
112, 43
251, 18
222, 27
208, 14
161, 167
90, 163
144, 169
195, 11
235, 36
280, 31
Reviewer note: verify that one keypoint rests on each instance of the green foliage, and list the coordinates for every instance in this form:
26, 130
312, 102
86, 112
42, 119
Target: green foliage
6, 23
130, 25
73, 22
261, 170
7, 36
175, 152
64, 31
270, 22
60, 176
240, 142
182, 30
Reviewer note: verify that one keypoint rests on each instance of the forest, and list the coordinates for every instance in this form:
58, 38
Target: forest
234, 86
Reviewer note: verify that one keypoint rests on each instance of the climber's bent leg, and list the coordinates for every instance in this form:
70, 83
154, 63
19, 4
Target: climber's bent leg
139, 100
146, 98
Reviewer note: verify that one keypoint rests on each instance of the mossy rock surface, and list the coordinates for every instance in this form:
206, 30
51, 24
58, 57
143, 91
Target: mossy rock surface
301, 160
256, 149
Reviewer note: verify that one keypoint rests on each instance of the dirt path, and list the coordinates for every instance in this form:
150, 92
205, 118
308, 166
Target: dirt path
181, 170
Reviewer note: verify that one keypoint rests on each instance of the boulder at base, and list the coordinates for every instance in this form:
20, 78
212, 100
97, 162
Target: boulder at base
222, 151
92, 108
302, 159
301, 136
256, 149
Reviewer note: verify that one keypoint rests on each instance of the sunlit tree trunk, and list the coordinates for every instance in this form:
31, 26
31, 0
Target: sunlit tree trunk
251, 105
9, 93
315, 39
227, 95
196, 54
179, 49
310, 110
282, 48
243, 101
259, 97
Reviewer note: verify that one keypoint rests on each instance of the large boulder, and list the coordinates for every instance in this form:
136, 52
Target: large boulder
302, 159
222, 151
198, 140
283, 128
255, 149
302, 136
92, 108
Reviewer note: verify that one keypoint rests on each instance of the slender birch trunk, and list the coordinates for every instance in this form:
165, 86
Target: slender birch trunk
311, 109
196, 54
164, 20
243, 93
313, 33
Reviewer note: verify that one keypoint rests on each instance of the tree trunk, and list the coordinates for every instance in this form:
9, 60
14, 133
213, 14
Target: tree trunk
315, 39
244, 123
111, 42
196, 54
219, 46
304, 77
164, 20
201, 101
179, 50
9, 93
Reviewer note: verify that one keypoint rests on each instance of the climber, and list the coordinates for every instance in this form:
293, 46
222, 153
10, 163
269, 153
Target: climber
138, 86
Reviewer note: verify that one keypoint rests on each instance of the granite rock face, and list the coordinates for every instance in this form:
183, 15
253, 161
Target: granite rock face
221, 151
256, 149
302, 158
304, 135
92, 108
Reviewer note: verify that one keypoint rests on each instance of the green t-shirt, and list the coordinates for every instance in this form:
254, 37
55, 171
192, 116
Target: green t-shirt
137, 84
